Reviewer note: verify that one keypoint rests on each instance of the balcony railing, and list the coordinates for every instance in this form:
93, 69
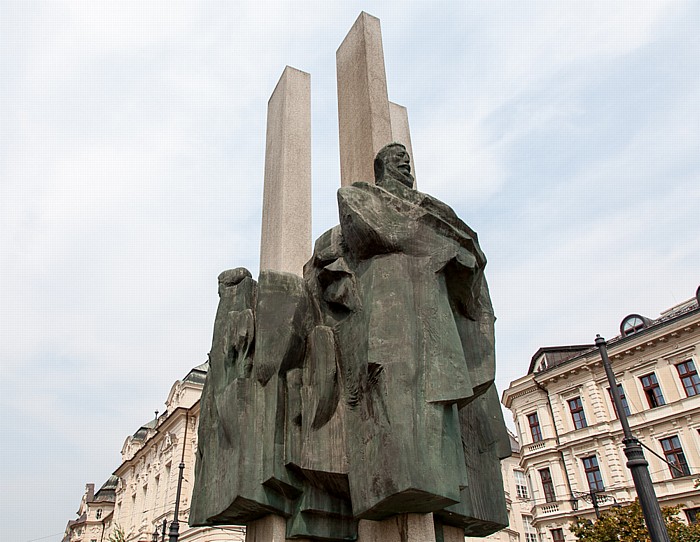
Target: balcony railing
536, 446
549, 508
556, 507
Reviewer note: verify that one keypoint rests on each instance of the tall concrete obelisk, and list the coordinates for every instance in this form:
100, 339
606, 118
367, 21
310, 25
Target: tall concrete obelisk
363, 103
401, 132
286, 222
367, 120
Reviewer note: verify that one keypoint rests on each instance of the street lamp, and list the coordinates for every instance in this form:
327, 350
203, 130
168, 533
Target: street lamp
594, 497
635, 458
174, 533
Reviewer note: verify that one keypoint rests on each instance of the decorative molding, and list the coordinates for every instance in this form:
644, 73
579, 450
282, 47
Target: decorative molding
675, 357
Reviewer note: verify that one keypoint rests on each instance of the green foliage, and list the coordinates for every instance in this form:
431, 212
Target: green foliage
626, 524
117, 535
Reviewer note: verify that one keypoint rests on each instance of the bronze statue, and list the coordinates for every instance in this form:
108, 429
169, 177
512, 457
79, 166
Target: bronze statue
364, 389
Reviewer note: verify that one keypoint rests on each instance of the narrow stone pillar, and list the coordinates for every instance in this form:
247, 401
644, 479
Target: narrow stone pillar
400, 528
363, 104
453, 534
270, 528
286, 221
401, 133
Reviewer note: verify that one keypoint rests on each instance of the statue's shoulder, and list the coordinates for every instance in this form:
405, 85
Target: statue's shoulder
446, 214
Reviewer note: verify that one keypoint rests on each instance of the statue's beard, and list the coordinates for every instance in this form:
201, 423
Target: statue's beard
403, 176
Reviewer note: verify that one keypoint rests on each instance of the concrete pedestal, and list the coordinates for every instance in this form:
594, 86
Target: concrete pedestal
401, 528
269, 529
452, 534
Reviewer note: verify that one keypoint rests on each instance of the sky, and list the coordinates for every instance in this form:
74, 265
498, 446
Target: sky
132, 140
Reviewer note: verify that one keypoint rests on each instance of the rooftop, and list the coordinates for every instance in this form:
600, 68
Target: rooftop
632, 325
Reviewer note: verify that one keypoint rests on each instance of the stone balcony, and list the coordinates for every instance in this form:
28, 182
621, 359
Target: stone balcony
546, 445
545, 510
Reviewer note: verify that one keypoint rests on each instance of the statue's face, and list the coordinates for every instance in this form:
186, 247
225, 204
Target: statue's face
398, 165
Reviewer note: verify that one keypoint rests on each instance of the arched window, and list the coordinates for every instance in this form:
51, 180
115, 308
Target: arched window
632, 324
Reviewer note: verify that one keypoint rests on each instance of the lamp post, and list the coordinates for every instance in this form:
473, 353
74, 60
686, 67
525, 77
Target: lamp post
635, 458
594, 500
595, 497
174, 533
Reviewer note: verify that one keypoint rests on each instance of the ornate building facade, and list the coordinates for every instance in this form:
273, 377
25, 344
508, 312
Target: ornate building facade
572, 456
144, 486
95, 514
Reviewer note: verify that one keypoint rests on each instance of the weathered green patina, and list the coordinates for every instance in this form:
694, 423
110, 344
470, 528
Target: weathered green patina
364, 389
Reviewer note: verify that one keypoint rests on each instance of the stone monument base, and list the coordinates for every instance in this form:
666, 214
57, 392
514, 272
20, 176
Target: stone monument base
399, 528
271, 528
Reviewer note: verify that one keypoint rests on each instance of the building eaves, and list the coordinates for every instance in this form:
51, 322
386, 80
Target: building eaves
198, 374
514, 444
671, 316
163, 427
563, 353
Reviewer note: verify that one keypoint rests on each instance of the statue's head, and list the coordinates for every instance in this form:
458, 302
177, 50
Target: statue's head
393, 162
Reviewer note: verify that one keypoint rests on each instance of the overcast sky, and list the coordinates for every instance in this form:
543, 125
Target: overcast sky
132, 140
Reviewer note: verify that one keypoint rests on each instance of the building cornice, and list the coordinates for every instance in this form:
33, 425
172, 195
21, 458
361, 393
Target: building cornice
631, 346
158, 432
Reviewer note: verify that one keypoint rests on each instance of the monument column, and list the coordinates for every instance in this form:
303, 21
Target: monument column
363, 104
286, 221
367, 119
398, 528
401, 133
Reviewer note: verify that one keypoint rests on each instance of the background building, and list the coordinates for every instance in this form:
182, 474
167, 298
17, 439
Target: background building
140, 497
94, 514
572, 454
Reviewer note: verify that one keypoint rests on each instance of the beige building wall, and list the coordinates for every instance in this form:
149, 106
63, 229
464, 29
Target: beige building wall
148, 474
561, 376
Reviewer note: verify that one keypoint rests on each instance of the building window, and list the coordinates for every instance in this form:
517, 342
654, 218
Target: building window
623, 399
692, 514
557, 535
535, 429
632, 324
98, 515
547, 485
595, 481
521, 484
675, 456
689, 377
530, 531
576, 407
652, 390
